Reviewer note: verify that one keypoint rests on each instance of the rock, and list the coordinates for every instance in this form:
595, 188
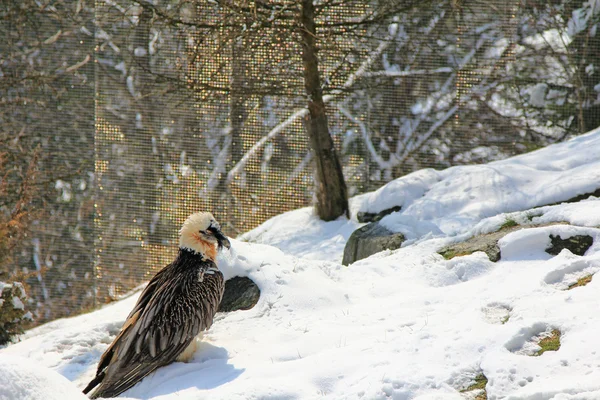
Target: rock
362, 216
488, 243
577, 244
241, 293
583, 196
368, 240
595, 193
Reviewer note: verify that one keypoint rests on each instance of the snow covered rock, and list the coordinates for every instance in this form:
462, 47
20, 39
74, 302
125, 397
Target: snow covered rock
370, 239
365, 216
577, 244
488, 243
575, 199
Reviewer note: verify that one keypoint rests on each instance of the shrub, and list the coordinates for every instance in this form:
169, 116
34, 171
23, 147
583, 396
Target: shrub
12, 310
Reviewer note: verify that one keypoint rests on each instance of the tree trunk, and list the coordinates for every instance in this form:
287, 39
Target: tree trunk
330, 189
583, 49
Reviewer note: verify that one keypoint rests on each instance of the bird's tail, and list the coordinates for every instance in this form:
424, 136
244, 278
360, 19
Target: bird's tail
93, 384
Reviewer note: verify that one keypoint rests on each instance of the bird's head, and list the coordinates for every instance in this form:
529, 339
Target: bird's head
202, 234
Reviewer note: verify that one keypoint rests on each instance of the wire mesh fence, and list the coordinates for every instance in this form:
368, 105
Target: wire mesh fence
119, 118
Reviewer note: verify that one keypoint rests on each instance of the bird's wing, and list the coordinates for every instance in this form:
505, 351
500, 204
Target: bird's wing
149, 290
132, 318
160, 327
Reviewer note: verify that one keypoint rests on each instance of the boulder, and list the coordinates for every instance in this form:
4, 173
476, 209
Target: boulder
241, 293
577, 244
370, 239
595, 193
488, 243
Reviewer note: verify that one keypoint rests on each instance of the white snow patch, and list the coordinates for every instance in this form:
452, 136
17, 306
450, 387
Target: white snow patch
302, 234
530, 244
537, 96
456, 199
411, 227
24, 380
17, 303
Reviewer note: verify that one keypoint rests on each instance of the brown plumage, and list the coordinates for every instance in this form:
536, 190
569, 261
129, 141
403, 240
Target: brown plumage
176, 306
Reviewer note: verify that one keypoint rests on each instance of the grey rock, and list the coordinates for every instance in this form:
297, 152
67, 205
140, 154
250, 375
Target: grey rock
488, 243
577, 244
363, 216
241, 293
583, 196
595, 193
370, 239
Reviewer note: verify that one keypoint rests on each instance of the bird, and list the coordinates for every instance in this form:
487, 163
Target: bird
176, 306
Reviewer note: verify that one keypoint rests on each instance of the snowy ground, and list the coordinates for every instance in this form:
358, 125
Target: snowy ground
404, 324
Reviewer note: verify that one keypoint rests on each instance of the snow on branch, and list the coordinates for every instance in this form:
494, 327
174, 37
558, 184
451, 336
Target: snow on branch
445, 90
396, 74
219, 167
361, 72
258, 145
383, 164
297, 115
297, 171
437, 102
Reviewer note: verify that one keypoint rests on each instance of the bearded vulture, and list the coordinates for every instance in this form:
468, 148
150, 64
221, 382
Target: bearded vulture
176, 306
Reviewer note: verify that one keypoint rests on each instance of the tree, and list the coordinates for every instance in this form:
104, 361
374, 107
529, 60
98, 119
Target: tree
584, 49
47, 148
330, 188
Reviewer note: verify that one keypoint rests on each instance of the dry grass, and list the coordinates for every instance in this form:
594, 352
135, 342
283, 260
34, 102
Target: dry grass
550, 343
581, 282
509, 223
450, 254
479, 384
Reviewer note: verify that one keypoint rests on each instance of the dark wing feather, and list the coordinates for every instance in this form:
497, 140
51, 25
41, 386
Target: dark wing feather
143, 300
171, 311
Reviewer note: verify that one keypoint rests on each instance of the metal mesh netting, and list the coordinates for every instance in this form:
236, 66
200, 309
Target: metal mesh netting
120, 118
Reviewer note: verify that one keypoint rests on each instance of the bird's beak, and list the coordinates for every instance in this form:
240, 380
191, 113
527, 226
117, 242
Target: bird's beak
221, 239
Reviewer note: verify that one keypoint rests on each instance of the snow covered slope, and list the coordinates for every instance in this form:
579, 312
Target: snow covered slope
452, 201
404, 324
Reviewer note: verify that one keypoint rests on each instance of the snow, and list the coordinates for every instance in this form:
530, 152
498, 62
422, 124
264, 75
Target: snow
17, 303
18, 292
402, 324
411, 227
21, 379
457, 198
558, 40
538, 95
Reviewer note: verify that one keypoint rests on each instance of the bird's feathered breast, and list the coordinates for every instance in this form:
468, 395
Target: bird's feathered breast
178, 303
